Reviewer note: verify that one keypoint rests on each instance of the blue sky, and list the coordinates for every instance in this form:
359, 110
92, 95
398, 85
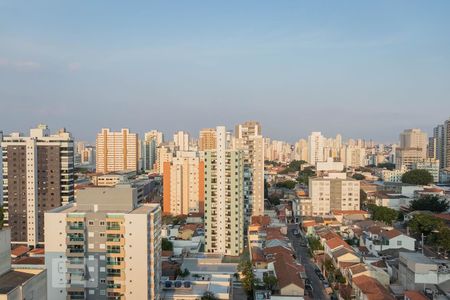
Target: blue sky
365, 69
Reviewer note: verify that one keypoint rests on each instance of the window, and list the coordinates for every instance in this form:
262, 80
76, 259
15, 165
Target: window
399, 243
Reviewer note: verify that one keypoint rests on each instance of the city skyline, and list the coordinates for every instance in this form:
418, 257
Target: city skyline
362, 70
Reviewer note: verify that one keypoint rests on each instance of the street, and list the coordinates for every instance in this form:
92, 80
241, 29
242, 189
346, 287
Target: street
303, 258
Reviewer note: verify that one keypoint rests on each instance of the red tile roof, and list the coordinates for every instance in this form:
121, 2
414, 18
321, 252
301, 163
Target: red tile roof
288, 272
260, 220
390, 234
337, 242
415, 295
19, 251
349, 212
372, 288
29, 261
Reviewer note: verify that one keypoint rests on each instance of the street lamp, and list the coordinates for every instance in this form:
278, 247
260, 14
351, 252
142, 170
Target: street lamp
423, 237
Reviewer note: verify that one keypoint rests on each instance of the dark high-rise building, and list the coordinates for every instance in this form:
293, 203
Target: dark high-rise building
38, 175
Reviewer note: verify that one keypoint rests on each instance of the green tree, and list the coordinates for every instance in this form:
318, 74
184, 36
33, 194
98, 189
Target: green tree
2, 217
248, 278
185, 273
384, 214
314, 244
389, 166
289, 184
362, 198
303, 176
293, 166
426, 224
270, 282
417, 177
431, 203
443, 238
358, 176
209, 296
166, 245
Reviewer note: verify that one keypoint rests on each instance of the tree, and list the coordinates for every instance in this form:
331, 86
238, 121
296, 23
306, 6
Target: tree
294, 166
166, 245
314, 244
362, 198
248, 278
303, 176
288, 184
417, 177
185, 273
270, 282
209, 296
443, 238
431, 203
358, 176
384, 214
389, 166
274, 200
425, 224
2, 216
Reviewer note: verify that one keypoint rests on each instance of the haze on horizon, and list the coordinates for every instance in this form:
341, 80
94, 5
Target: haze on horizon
361, 69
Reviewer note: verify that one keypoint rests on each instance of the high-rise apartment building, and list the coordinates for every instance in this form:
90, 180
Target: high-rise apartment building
224, 198
183, 189
181, 140
152, 140
248, 138
413, 148
333, 192
38, 174
117, 151
301, 150
446, 145
163, 154
315, 148
207, 139
104, 246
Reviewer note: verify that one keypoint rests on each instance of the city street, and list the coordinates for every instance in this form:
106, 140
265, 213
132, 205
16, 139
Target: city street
303, 258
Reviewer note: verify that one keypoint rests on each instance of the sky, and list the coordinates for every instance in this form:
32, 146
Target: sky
365, 69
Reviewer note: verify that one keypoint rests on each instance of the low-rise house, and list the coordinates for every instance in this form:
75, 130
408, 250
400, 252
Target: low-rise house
377, 239
368, 288
393, 201
414, 295
344, 255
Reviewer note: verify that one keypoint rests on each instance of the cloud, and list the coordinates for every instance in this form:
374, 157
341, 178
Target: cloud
74, 66
26, 65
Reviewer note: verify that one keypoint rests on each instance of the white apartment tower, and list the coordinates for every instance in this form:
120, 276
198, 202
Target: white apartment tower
250, 141
224, 198
104, 246
117, 151
181, 140
316, 143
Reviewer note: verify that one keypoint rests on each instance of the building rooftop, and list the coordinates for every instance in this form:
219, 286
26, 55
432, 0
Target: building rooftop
372, 288
12, 279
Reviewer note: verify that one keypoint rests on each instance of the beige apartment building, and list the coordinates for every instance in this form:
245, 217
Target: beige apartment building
224, 198
183, 189
333, 192
413, 148
207, 139
104, 246
38, 175
117, 151
248, 139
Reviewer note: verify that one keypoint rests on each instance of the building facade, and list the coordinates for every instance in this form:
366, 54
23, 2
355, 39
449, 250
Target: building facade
104, 246
38, 174
117, 151
224, 198
333, 192
183, 188
207, 139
